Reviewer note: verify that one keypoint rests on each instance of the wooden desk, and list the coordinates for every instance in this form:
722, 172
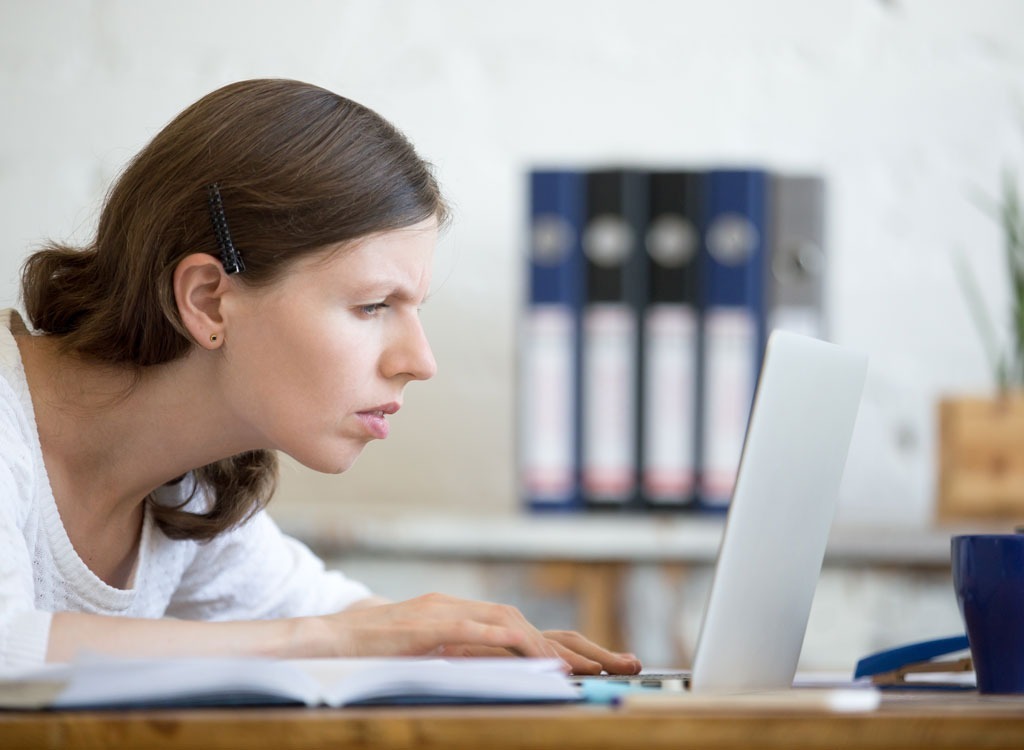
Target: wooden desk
904, 721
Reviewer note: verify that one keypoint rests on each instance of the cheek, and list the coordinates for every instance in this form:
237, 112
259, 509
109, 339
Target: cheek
336, 367
277, 367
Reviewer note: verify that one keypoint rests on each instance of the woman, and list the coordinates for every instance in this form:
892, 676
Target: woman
253, 287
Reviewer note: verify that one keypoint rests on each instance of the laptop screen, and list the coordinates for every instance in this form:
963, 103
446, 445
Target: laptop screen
779, 518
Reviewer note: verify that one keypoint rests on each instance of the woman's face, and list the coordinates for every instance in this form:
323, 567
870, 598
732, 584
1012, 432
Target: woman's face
315, 363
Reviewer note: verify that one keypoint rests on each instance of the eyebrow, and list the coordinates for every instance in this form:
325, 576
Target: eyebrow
389, 289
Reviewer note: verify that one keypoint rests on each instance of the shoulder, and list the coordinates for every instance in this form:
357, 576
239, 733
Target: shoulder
15, 428
18, 439
15, 401
12, 372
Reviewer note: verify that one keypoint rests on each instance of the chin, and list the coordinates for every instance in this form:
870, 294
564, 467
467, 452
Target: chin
330, 463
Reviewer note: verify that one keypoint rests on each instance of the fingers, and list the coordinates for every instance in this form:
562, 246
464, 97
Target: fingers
456, 652
578, 664
586, 657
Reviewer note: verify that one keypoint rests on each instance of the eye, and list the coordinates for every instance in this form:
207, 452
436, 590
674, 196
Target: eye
371, 310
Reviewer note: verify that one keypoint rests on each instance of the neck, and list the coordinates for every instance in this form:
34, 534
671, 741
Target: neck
115, 434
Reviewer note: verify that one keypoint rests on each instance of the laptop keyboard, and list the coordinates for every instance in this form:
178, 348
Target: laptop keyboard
669, 681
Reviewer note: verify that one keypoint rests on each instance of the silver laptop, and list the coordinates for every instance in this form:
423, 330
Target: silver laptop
779, 518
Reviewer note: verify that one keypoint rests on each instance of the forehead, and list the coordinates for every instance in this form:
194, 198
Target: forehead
399, 256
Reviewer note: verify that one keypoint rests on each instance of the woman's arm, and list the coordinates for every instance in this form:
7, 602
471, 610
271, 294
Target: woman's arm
431, 624
419, 626
75, 632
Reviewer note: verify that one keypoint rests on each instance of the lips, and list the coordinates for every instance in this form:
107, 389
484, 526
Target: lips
375, 419
388, 408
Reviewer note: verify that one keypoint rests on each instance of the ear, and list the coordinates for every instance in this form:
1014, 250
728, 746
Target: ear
199, 287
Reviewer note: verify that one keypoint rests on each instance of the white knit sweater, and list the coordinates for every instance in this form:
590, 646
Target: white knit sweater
251, 572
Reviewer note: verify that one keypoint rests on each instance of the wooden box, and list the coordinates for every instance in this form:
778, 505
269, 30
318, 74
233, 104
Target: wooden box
981, 458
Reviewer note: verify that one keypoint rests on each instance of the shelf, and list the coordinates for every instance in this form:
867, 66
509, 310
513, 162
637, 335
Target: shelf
589, 538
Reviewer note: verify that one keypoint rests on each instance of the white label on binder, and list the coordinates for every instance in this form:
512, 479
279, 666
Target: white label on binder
730, 355
670, 375
548, 431
609, 402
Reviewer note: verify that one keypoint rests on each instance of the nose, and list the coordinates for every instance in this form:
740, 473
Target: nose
410, 355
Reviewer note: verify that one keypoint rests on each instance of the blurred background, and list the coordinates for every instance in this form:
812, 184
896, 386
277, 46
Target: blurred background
909, 109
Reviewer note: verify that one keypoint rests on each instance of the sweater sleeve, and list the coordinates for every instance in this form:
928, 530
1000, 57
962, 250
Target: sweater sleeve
24, 630
257, 572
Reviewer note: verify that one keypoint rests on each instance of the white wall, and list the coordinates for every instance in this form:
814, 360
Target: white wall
904, 106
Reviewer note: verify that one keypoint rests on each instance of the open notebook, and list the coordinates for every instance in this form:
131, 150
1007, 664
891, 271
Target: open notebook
99, 682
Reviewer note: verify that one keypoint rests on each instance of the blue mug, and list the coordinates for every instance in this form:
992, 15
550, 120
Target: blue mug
988, 578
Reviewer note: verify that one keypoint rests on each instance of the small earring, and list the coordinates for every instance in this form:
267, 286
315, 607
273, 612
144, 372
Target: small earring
213, 338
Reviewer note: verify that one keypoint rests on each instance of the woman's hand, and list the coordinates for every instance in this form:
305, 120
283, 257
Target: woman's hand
430, 624
580, 655
586, 657
436, 624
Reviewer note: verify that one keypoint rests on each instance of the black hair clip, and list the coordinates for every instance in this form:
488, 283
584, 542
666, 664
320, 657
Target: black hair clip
229, 256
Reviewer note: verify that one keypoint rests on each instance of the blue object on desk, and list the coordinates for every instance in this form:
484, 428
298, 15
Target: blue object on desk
607, 692
988, 580
895, 668
894, 658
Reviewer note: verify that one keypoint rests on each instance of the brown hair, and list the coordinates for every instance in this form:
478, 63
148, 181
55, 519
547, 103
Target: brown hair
298, 168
